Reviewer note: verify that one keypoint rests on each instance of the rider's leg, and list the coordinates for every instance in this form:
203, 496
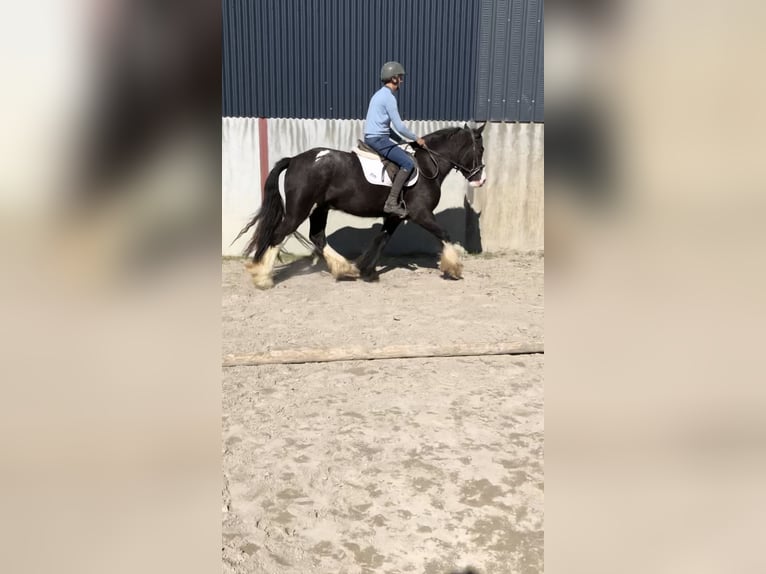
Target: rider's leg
388, 149
406, 165
392, 201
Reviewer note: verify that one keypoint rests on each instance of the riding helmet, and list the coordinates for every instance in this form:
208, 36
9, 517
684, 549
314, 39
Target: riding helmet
390, 70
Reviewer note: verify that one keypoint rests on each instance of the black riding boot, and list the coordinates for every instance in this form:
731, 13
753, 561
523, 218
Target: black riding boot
392, 203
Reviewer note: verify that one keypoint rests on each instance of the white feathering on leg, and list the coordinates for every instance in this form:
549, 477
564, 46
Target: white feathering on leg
450, 263
339, 266
261, 271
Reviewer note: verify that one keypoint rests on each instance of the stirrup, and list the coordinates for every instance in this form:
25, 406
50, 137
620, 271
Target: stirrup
395, 209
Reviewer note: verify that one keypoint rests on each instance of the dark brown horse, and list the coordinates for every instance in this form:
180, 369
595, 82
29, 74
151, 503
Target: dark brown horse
321, 179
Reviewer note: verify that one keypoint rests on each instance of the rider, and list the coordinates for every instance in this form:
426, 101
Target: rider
382, 114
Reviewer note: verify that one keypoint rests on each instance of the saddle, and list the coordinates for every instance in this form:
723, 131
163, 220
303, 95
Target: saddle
369, 157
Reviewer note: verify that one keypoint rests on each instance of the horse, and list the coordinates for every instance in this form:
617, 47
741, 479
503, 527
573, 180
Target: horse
321, 179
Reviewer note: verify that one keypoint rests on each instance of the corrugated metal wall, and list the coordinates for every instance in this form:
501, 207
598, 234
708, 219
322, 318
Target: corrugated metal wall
466, 59
510, 61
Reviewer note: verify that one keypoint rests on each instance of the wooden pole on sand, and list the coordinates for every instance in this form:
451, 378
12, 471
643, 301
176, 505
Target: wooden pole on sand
288, 356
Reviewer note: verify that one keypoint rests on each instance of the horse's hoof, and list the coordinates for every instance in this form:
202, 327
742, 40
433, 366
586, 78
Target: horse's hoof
453, 271
345, 274
339, 266
353, 272
368, 274
263, 284
260, 279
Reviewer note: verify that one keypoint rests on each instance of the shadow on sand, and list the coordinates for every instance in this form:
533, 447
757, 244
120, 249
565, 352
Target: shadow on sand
304, 265
462, 225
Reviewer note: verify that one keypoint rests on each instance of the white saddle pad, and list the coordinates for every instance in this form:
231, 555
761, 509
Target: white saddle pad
374, 171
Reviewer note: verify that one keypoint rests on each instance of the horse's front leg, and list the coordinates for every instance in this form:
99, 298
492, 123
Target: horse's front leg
369, 259
449, 262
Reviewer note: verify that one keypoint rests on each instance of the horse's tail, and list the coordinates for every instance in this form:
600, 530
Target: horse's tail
269, 216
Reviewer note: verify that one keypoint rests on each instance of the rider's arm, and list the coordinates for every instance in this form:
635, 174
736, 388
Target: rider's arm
396, 121
394, 135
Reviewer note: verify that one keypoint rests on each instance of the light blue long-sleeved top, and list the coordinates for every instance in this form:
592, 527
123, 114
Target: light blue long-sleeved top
382, 114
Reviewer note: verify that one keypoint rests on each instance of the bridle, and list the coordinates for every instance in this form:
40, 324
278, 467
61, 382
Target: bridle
453, 164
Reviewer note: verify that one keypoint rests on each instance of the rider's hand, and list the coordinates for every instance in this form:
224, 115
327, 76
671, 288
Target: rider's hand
421, 142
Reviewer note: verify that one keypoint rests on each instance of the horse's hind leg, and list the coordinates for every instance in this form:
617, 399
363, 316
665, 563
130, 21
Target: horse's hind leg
261, 271
339, 266
369, 259
449, 262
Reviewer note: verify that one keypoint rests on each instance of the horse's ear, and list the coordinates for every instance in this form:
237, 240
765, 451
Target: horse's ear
481, 128
465, 126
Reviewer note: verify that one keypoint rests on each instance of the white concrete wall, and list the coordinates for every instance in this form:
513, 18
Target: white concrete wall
510, 204
240, 179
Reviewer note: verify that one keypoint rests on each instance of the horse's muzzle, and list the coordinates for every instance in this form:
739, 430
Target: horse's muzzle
481, 181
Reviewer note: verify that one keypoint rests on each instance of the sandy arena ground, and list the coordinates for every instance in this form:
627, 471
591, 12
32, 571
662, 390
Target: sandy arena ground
402, 465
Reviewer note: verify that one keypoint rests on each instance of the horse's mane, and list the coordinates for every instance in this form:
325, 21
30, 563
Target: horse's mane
442, 136
444, 133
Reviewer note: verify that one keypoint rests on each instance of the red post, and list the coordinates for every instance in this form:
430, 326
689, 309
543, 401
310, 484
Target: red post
263, 144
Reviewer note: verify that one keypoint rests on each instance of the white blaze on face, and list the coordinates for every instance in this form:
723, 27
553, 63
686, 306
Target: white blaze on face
321, 154
482, 179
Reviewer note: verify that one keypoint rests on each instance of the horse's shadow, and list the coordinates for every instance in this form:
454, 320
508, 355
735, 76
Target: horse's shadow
411, 241
304, 265
408, 263
309, 265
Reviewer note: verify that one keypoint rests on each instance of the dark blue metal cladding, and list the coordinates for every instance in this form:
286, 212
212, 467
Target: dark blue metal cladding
539, 104
510, 61
465, 59
513, 70
531, 46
